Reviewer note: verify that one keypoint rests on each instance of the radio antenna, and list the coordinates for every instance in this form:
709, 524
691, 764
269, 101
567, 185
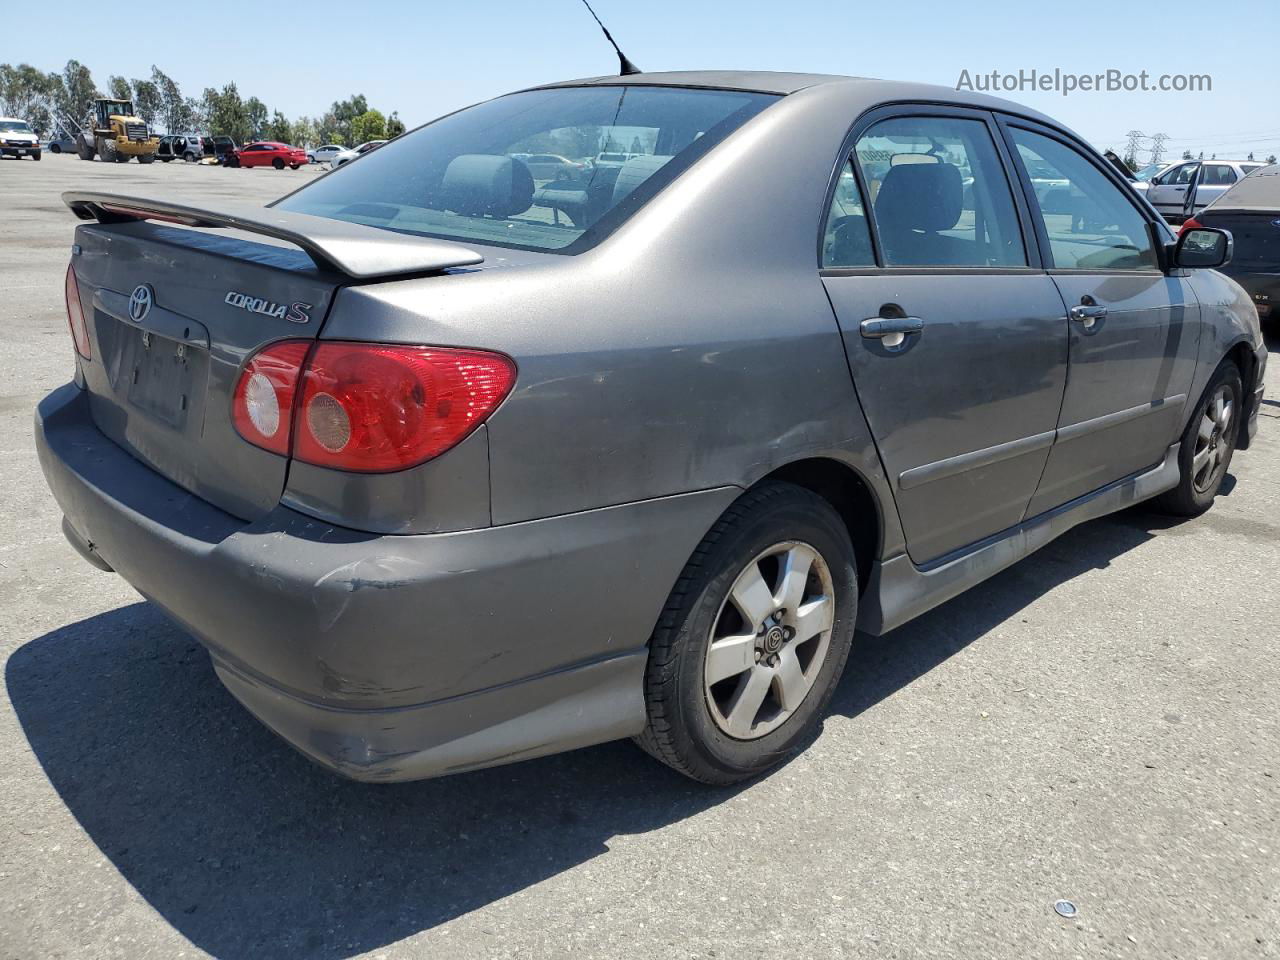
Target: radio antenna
626, 67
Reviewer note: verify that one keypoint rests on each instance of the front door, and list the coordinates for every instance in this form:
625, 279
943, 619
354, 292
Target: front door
1168, 192
957, 343
1134, 330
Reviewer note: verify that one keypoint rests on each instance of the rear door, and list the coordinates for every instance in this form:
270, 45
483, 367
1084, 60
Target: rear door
1212, 181
956, 338
173, 314
1134, 330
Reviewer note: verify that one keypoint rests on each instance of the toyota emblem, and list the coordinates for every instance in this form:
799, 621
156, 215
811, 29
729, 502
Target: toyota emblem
140, 302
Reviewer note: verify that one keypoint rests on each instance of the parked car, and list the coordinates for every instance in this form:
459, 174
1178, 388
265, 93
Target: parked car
61, 144
1250, 211
483, 486
223, 148
324, 154
346, 156
1168, 190
268, 154
180, 147
550, 166
17, 139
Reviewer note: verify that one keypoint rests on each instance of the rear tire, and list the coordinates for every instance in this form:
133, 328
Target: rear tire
146, 158
1204, 452
733, 685
278, 163
54, 148
189, 157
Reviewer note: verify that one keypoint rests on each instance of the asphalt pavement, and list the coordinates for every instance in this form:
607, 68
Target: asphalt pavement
1100, 723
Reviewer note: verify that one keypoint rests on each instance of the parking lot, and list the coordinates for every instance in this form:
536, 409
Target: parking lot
1100, 723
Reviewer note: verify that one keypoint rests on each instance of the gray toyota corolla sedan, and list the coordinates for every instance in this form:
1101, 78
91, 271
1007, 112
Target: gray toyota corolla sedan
453, 466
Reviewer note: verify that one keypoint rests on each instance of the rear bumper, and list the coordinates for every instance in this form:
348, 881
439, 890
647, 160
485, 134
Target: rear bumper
390, 657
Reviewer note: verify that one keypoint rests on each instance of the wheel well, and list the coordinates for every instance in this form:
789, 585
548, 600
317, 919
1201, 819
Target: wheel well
849, 494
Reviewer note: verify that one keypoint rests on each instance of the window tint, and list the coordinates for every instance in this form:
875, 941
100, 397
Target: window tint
1090, 223
457, 178
1217, 175
1248, 168
847, 242
939, 194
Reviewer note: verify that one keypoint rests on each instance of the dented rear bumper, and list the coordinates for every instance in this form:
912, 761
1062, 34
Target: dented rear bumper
390, 657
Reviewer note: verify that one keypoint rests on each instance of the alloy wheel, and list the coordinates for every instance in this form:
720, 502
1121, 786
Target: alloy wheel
1212, 443
769, 640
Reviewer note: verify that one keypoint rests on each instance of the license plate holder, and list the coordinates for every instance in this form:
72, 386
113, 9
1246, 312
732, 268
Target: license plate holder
161, 377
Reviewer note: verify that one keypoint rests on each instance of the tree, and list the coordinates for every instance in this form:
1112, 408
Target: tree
395, 126
370, 125
75, 101
226, 114
27, 93
1250, 157
1271, 159
178, 115
280, 130
327, 130
148, 101
119, 88
344, 112
255, 113
1186, 154
302, 133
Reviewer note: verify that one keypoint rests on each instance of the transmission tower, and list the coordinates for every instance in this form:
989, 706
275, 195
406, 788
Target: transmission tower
1157, 146
1131, 149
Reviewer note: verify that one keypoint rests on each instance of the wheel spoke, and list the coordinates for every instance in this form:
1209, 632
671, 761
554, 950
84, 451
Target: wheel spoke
752, 597
1206, 427
741, 716
796, 564
1224, 417
730, 656
1217, 407
790, 684
1199, 460
813, 617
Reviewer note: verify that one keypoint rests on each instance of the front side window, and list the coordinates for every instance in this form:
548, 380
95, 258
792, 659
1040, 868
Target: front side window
467, 176
1090, 224
939, 194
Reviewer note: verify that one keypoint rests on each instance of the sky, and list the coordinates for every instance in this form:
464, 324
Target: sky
426, 58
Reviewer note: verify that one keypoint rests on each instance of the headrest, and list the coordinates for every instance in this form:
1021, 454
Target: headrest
635, 172
479, 183
920, 196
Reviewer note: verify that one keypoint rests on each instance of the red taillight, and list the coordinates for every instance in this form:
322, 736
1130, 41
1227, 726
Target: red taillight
262, 407
370, 407
1191, 223
75, 315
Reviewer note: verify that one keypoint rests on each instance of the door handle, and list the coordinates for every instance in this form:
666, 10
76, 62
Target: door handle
1088, 314
891, 330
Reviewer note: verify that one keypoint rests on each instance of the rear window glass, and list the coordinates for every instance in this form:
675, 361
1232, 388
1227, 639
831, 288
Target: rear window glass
467, 176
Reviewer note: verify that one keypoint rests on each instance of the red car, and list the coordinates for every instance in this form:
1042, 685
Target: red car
268, 154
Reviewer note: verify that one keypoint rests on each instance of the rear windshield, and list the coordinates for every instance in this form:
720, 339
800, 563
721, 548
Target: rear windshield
467, 176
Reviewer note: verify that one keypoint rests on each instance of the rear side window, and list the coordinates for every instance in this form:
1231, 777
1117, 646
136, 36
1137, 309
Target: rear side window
847, 241
467, 175
939, 194
1217, 175
1090, 224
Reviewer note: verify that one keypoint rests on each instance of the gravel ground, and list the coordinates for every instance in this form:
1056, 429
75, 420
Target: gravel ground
1098, 723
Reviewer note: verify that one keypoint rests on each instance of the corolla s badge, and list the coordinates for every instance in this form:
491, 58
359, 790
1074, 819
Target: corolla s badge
140, 302
293, 312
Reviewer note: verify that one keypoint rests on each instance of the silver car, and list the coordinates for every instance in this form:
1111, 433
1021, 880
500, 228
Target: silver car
1188, 186
325, 153
466, 478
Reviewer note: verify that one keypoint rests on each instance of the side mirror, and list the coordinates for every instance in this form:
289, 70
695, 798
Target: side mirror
1202, 247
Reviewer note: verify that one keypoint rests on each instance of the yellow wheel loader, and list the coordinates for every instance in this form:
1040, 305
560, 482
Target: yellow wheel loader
117, 134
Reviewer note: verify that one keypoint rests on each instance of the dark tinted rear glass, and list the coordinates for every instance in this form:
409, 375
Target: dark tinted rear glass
467, 175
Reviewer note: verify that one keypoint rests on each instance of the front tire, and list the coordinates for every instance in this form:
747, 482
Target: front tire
146, 158
54, 148
753, 639
1204, 453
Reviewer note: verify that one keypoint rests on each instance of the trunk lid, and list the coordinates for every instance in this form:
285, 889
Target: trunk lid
173, 314
1256, 236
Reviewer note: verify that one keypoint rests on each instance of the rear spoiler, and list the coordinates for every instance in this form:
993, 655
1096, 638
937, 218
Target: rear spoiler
358, 251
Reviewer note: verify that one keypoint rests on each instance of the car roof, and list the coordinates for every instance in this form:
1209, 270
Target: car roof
857, 91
